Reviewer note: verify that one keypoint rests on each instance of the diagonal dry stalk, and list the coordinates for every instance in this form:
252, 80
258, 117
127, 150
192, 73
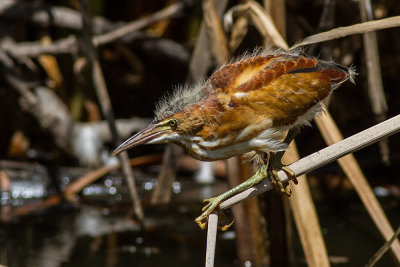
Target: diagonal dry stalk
105, 103
356, 177
383, 249
325, 156
359, 28
263, 22
349, 165
321, 158
305, 215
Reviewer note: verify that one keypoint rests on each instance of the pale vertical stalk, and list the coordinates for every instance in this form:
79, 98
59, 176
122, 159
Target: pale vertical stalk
211, 239
375, 86
216, 35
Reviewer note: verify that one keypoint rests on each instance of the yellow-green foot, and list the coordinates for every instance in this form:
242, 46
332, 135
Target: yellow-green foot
212, 204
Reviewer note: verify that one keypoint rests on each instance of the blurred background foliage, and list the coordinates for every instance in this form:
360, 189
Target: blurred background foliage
144, 66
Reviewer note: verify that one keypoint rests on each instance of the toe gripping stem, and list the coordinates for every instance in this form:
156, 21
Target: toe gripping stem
276, 182
213, 203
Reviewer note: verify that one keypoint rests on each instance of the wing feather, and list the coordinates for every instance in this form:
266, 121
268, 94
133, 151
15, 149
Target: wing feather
282, 87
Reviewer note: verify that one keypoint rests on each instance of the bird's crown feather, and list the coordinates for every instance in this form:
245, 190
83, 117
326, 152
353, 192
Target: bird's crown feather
181, 98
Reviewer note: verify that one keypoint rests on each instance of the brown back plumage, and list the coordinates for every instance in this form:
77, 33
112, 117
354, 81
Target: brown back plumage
281, 88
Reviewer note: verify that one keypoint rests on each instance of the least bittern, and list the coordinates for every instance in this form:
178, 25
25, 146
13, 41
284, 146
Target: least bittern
245, 106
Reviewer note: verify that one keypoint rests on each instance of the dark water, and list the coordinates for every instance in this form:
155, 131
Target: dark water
91, 235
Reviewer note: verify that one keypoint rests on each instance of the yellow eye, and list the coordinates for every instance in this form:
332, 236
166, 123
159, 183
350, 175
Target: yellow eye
173, 123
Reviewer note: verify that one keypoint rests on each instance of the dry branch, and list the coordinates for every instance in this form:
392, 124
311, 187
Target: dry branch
201, 60
124, 30
383, 249
70, 44
325, 156
349, 165
264, 23
162, 193
77, 186
105, 103
350, 30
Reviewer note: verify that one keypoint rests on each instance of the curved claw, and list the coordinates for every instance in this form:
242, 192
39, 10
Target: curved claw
227, 226
290, 173
278, 185
212, 204
200, 223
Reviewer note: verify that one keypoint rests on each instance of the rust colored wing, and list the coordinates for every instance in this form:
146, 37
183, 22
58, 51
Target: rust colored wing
281, 87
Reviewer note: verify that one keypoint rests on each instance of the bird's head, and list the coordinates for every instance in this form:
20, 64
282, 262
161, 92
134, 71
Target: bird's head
177, 117
179, 128
157, 132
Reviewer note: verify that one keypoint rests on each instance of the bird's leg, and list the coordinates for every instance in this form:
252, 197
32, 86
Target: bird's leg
213, 203
275, 164
268, 169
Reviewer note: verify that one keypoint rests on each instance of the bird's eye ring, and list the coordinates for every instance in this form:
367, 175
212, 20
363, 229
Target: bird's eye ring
173, 124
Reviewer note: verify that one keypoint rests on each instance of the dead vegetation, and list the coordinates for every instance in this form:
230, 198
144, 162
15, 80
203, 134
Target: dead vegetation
76, 78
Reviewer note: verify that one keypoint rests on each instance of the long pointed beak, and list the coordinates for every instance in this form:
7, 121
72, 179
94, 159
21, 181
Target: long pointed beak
143, 137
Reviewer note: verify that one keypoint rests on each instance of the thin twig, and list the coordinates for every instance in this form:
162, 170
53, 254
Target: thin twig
167, 175
105, 103
33, 49
264, 23
324, 156
350, 30
116, 34
383, 249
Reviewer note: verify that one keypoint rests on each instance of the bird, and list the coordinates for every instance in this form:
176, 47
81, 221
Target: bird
247, 106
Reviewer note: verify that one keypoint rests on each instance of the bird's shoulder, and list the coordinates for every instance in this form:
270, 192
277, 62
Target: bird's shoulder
255, 73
